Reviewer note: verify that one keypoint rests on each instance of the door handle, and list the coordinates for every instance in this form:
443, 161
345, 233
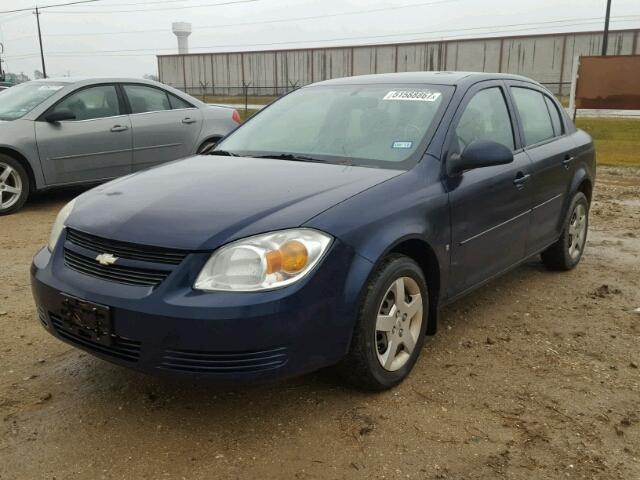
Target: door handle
521, 179
189, 120
119, 128
567, 160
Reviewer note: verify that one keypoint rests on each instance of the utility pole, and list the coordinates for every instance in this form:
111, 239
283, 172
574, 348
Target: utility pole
44, 68
1, 70
605, 38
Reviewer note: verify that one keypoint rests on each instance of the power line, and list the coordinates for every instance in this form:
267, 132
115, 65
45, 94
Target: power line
93, 12
49, 6
262, 22
453, 37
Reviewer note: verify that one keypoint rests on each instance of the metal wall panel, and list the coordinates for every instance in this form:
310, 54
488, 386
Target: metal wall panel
412, 58
384, 59
170, 71
260, 72
364, 60
331, 63
474, 56
534, 57
546, 58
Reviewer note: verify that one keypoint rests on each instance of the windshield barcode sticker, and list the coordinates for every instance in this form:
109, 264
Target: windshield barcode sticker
412, 95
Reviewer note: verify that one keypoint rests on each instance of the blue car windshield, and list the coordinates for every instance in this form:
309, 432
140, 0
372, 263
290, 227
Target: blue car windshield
19, 100
381, 125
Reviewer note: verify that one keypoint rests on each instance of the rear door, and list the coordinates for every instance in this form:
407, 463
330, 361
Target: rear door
165, 127
551, 152
96, 145
491, 206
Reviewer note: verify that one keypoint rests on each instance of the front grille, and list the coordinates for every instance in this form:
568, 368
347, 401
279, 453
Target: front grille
131, 251
121, 348
115, 273
210, 362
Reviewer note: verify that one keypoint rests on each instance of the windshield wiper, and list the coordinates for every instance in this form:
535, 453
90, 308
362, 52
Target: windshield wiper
226, 153
291, 156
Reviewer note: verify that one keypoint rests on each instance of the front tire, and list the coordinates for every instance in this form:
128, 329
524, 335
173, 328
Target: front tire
391, 326
14, 185
566, 253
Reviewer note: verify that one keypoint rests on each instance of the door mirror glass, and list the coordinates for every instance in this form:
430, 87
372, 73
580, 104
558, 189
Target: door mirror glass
478, 154
60, 115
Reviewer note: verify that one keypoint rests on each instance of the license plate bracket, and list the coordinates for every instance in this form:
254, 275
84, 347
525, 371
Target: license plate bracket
87, 320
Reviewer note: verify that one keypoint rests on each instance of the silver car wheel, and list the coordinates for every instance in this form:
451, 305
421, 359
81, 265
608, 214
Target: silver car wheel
399, 323
10, 186
577, 231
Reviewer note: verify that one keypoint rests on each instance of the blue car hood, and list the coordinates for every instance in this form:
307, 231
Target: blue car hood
202, 202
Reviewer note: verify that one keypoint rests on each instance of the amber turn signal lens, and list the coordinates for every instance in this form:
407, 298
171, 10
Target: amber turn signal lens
294, 256
291, 257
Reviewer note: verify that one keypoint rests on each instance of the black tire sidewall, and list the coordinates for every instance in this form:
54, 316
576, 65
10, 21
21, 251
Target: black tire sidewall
26, 184
398, 267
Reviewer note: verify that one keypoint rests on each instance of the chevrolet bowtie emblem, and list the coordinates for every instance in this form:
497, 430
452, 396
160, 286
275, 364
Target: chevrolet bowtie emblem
106, 259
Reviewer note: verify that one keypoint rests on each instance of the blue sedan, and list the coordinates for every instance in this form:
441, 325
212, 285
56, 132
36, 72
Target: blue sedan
329, 229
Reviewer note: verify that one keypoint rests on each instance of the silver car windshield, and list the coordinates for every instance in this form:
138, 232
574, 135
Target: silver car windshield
19, 100
371, 125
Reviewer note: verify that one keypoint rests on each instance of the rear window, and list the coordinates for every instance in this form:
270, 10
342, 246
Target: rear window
555, 116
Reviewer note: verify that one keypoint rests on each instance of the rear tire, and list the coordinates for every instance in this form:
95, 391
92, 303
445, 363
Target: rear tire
566, 253
14, 185
390, 330
207, 145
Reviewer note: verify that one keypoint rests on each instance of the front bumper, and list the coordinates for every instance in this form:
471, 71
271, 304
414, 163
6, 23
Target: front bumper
224, 337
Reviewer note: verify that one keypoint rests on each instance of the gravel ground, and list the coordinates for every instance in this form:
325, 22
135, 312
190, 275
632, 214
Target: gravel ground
533, 376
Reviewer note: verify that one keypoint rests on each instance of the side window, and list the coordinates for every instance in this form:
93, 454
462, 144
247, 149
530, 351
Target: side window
146, 99
486, 117
93, 102
177, 102
534, 115
555, 116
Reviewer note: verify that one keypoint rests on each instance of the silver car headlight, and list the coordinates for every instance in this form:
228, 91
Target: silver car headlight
264, 262
58, 225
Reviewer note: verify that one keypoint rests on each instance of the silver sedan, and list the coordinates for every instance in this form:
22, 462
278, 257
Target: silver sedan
59, 132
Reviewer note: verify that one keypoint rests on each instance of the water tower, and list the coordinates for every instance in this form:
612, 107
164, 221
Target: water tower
182, 30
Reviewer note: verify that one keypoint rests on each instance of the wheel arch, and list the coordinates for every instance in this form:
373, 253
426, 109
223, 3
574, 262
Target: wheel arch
586, 186
424, 255
581, 182
17, 156
216, 137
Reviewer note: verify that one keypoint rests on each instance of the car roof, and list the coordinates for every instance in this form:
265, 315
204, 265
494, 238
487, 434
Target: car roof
90, 80
438, 78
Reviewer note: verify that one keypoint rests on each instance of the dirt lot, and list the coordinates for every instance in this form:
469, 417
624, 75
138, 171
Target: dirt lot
533, 376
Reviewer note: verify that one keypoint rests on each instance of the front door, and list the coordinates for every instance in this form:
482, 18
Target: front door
96, 145
491, 206
165, 127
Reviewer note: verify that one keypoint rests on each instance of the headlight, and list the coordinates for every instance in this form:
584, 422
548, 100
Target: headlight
263, 262
58, 225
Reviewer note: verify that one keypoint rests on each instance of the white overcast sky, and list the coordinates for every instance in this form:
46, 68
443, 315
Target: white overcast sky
121, 37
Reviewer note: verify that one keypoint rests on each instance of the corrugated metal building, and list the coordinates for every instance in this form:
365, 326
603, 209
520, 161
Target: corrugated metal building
547, 58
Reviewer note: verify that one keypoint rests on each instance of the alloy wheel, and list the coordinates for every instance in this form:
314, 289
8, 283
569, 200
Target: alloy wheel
398, 323
10, 186
577, 231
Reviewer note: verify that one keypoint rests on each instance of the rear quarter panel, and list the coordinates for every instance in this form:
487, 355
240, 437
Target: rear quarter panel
216, 122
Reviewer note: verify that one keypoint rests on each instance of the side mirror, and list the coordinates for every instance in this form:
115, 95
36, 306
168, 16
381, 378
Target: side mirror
60, 115
477, 155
